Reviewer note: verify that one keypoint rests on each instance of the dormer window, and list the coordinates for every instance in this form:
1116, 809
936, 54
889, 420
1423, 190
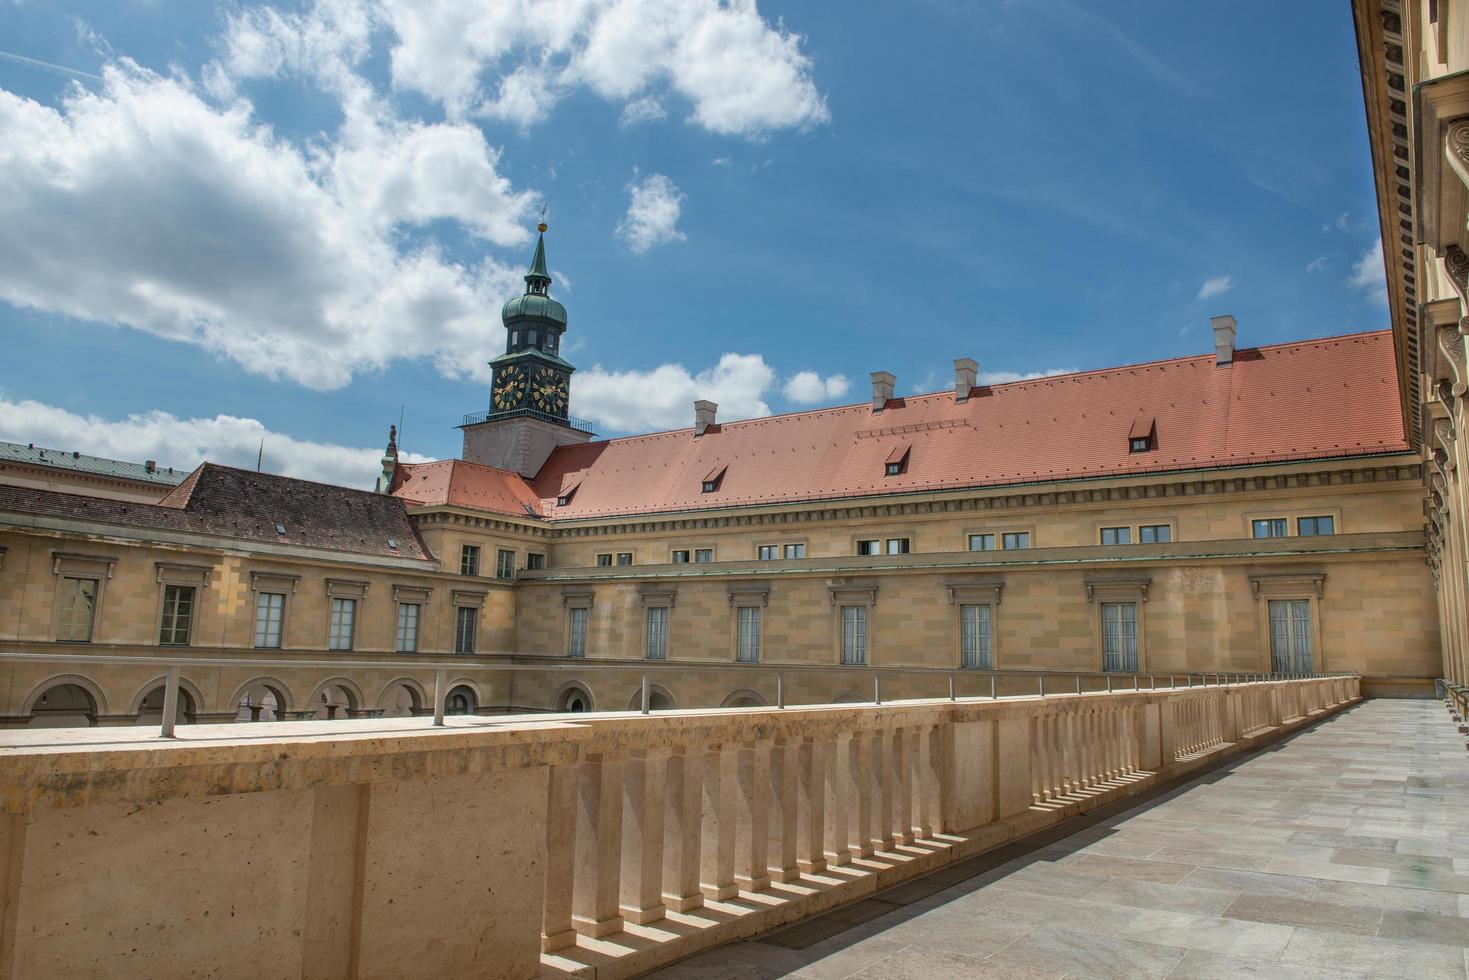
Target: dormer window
1140, 438
713, 479
280, 529
567, 492
897, 461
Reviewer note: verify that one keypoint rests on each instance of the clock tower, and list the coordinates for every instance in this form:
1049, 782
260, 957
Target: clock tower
530, 384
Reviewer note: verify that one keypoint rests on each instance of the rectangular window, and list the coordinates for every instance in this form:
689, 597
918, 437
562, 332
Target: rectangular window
344, 616
1119, 636
793, 551
78, 607
658, 633
854, 635
702, 555
977, 638
178, 614
748, 651
1316, 525
1116, 535
604, 561
981, 542
576, 645
1016, 539
624, 558
469, 559
1290, 636
873, 547
1155, 533
1272, 527
681, 557
270, 612
407, 639
504, 564
767, 552
534, 562
466, 621
897, 546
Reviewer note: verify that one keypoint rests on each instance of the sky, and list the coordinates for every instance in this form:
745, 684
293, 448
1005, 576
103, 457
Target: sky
228, 223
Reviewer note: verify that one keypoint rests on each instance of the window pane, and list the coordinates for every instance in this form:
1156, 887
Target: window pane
854, 634
1316, 525
624, 558
469, 560
534, 561
1272, 527
767, 552
466, 619
79, 605
795, 551
981, 542
407, 627
1017, 539
1119, 636
897, 546
504, 564
270, 610
680, 557
578, 642
974, 622
704, 555
344, 612
658, 633
1155, 533
748, 650
604, 561
178, 614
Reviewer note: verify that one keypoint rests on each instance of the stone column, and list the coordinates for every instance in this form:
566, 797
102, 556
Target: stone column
859, 791
594, 899
561, 819
682, 822
716, 861
838, 805
785, 802
934, 748
752, 816
642, 836
811, 805
904, 763
881, 768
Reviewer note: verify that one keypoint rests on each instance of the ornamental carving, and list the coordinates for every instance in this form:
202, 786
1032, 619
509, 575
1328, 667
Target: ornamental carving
1456, 148
1456, 266
1451, 342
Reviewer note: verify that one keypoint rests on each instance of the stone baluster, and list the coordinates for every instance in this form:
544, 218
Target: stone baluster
752, 816
838, 800
905, 760
811, 757
785, 810
683, 829
883, 783
642, 836
859, 792
556, 929
594, 898
928, 778
717, 855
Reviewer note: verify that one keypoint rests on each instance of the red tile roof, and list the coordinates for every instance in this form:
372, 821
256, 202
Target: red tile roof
460, 484
1313, 399
243, 505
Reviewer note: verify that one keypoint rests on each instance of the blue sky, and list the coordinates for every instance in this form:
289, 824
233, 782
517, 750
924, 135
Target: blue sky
228, 222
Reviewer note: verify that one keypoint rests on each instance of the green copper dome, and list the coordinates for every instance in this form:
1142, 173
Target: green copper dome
532, 304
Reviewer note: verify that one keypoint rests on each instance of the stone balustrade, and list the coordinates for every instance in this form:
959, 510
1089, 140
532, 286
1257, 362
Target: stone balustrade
508, 847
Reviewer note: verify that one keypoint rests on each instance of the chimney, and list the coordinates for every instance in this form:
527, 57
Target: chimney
966, 373
150, 466
882, 389
703, 416
1223, 339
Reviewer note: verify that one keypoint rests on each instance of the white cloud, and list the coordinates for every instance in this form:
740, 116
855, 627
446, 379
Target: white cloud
644, 110
1368, 274
185, 443
663, 398
1214, 287
809, 388
652, 214
1316, 264
1005, 377
741, 74
142, 205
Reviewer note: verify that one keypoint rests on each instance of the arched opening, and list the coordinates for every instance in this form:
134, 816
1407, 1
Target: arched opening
262, 700
150, 707
658, 699
574, 698
745, 699
401, 699
333, 700
461, 701
64, 705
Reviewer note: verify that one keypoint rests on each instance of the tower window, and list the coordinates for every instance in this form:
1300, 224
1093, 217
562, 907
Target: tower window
530, 337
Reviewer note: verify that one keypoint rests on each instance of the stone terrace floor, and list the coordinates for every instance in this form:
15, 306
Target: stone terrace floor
1342, 852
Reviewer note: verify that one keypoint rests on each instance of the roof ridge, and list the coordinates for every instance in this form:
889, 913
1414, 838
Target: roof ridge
32, 447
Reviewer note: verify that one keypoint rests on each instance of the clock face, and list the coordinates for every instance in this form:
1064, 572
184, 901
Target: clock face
510, 382
548, 390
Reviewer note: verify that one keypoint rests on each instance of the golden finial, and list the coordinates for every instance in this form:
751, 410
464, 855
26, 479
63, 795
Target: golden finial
542, 227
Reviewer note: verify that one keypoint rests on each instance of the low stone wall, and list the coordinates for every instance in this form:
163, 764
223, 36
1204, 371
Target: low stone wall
603, 846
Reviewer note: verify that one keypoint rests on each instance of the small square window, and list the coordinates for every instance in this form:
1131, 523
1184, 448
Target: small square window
895, 469
469, 560
280, 529
1016, 539
1116, 535
897, 546
504, 564
703, 555
873, 547
794, 551
680, 557
1311, 526
981, 542
605, 560
1155, 533
767, 552
534, 562
710, 486
1139, 445
624, 558
1270, 527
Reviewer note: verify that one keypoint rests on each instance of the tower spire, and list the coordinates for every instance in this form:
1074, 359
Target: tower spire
538, 280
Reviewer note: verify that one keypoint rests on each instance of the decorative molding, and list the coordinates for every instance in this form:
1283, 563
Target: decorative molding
976, 588
467, 598
1456, 270
1278, 583
1118, 587
1443, 432
748, 593
1456, 147
657, 594
412, 593
339, 588
1451, 342
273, 582
179, 573
852, 592
574, 597
75, 562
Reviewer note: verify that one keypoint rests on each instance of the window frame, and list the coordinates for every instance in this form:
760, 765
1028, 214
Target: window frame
338, 604
398, 624
655, 641
704, 551
1106, 589
859, 631
271, 583
1166, 526
993, 541
465, 613
280, 625
756, 637
1129, 612
1282, 521
1317, 518
1120, 534
575, 649
505, 563
680, 556
469, 559
164, 627
67, 603
629, 555
1005, 537
984, 646
604, 564
535, 561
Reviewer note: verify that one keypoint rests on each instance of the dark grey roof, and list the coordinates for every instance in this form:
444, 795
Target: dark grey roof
33, 455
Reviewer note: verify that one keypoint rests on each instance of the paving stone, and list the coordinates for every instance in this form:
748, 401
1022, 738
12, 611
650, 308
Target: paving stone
1082, 955
1378, 957
1358, 920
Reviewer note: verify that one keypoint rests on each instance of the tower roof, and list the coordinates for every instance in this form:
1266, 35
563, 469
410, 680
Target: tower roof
536, 301
538, 261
